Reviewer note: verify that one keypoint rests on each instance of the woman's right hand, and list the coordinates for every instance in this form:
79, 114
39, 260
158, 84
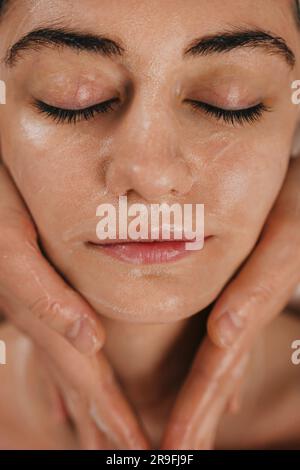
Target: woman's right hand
36, 299
85, 389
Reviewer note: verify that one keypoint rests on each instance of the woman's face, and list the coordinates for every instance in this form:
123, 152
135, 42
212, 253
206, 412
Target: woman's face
155, 139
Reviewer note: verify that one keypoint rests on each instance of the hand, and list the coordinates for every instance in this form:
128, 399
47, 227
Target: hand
255, 297
90, 393
35, 299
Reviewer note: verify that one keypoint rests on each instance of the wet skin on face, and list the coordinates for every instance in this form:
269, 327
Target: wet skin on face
185, 103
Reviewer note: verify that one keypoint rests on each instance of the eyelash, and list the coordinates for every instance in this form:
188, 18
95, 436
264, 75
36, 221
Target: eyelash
238, 116
72, 116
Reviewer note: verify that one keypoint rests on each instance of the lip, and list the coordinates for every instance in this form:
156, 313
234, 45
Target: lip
144, 252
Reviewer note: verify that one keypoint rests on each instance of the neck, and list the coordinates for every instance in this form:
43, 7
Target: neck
151, 362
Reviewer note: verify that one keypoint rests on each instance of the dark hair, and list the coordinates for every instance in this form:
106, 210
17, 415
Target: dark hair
2, 4
297, 7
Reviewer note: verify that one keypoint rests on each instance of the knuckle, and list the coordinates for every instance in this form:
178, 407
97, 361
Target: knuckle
263, 293
46, 309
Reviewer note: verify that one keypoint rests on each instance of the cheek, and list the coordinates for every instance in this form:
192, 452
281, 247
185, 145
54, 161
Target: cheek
57, 171
253, 185
245, 195
238, 182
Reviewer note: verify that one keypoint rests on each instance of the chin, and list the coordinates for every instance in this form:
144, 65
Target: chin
147, 303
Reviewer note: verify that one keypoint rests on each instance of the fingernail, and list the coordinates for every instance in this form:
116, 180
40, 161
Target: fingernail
83, 336
228, 327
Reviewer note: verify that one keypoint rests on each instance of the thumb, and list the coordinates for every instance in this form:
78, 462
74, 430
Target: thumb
261, 289
29, 284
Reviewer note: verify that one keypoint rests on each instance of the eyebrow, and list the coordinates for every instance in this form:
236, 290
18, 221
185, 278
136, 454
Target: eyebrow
61, 37
227, 41
222, 42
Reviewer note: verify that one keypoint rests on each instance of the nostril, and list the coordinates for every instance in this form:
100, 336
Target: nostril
174, 192
131, 194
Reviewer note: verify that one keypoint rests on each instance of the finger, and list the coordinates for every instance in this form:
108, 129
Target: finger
205, 433
112, 413
267, 281
68, 407
234, 404
90, 438
98, 389
203, 398
29, 281
261, 290
105, 421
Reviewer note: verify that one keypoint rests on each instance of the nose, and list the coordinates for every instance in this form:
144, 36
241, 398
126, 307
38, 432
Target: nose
146, 156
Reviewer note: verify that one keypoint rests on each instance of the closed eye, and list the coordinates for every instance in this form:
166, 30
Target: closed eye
230, 116
72, 116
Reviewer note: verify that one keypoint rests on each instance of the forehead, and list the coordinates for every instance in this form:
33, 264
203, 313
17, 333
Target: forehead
138, 20
152, 30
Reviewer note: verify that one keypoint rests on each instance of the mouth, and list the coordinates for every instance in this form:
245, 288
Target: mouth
144, 252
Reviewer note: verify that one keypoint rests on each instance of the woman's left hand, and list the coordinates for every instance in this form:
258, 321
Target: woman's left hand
257, 295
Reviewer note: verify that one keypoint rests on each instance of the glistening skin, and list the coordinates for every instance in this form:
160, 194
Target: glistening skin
210, 120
